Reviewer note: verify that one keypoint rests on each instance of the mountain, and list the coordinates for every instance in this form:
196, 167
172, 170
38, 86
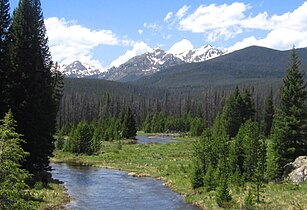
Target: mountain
203, 53
142, 65
250, 66
79, 70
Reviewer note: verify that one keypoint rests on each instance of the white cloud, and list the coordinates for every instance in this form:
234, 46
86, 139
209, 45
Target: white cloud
140, 31
182, 11
153, 26
168, 16
138, 49
69, 42
223, 22
284, 30
214, 18
181, 46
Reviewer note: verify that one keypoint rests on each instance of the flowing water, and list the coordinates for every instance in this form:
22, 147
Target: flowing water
97, 188
105, 189
153, 140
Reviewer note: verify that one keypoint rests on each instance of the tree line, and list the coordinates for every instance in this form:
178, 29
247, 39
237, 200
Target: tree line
239, 149
87, 137
90, 99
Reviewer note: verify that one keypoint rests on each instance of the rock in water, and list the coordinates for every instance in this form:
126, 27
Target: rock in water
297, 170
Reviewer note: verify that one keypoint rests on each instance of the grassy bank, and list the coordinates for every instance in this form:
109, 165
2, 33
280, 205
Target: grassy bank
171, 162
52, 197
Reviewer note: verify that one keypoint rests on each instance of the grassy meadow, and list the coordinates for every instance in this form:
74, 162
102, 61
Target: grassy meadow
171, 162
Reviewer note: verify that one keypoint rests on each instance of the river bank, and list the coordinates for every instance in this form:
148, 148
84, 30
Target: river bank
171, 162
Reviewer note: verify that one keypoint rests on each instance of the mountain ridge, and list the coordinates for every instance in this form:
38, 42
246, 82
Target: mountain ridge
142, 65
250, 65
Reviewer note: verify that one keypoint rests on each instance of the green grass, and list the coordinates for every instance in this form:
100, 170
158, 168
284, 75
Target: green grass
171, 162
52, 197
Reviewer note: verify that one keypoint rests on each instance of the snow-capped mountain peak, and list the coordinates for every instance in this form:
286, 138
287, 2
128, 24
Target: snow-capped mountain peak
203, 53
142, 65
78, 70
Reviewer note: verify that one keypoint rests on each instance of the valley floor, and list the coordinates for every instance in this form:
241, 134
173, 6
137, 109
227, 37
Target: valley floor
171, 162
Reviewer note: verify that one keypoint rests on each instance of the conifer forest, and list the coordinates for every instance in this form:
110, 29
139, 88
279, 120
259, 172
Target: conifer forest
237, 122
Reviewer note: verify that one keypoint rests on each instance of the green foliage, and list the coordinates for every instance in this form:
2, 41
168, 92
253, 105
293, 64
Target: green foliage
197, 177
197, 127
34, 90
209, 179
222, 193
268, 115
129, 125
4, 58
82, 138
60, 141
237, 110
289, 138
249, 199
13, 189
87, 137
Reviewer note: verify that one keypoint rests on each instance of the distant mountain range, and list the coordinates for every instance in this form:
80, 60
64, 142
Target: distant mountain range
257, 66
141, 65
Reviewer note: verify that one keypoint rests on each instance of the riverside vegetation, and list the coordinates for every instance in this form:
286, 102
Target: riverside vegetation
236, 163
233, 159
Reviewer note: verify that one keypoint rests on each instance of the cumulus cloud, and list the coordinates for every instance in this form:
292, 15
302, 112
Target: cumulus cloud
181, 46
284, 30
182, 11
168, 16
137, 49
215, 20
69, 41
140, 31
226, 21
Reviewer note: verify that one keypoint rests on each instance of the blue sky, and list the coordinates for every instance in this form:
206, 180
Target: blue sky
109, 32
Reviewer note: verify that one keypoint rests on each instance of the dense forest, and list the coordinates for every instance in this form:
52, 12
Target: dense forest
246, 130
88, 99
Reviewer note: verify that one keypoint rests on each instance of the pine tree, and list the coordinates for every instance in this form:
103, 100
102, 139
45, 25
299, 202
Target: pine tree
129, 125
13, 190
209, 179
222, 193
232, 113
4, 58
268, 115
197, 177
32, 96
289, 131
223, 196
248, 110
251, 149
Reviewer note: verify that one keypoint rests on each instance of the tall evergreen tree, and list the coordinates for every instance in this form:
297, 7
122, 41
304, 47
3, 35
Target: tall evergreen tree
289, 138
31, 95
248, 110
13, 190
233, 113
4, 58
268, 115
129, 125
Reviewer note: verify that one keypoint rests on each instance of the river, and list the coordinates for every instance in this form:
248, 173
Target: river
95, 188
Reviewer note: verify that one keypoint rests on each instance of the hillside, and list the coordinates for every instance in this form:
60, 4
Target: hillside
250, 66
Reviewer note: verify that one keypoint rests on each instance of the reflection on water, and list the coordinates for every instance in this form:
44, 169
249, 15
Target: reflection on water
95, 188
